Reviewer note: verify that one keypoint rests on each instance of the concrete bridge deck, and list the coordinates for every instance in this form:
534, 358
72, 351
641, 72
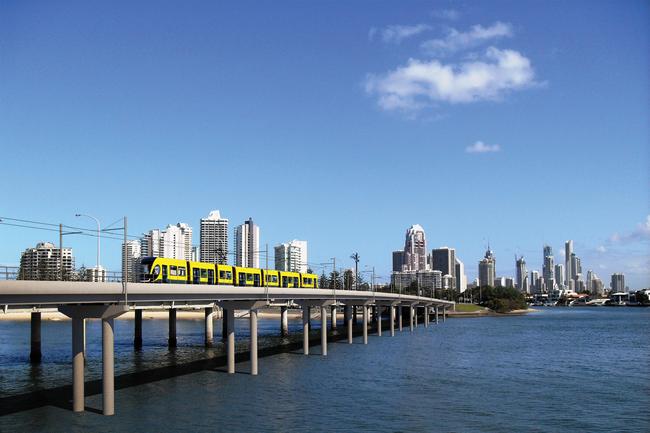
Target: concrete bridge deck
105, 301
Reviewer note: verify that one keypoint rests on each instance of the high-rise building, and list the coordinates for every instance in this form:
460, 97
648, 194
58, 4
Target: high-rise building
548, 270
247, 245
398, 261
291, 256
214, 239
487, 269
618, 283
521, 275
461, 278
131, 253
568, 269
443, 259
590, 278
597, 287
415, 249
196, 254
175, 242
46, 263
559, 275
534, 279
96, 274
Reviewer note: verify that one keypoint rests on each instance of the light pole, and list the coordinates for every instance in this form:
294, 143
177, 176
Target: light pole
98, 235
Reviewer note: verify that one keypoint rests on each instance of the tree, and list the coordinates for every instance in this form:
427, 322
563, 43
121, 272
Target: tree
642, 298
348, 279
323, 281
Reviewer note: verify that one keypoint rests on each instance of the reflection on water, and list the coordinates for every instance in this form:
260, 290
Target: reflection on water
557, 370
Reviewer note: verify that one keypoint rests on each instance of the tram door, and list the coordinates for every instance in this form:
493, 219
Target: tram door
256, 280
164, 273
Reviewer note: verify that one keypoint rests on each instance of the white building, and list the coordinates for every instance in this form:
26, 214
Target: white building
44, 263
415, 249
175, 242
214, 239
131, 253
96, 274
247, 245
461, 278
291, 256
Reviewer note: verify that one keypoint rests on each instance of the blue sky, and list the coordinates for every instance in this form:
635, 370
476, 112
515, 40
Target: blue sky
341, 123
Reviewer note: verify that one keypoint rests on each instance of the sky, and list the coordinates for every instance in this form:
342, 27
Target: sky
341, 123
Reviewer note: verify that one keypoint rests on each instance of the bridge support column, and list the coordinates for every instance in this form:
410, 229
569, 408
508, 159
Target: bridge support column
415, 315
444, 314
78, 403
305, 330
333, 312
411, 318
426, 316
253, 325
137, 334
284, 321
436, 309
209, 326
365, 324
35, 352
378, 319
392, 320
230, 339
323, 330
172, 328
400, 313
348, 322
108, 367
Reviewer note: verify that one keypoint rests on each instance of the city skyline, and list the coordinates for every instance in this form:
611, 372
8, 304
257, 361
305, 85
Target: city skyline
88, 106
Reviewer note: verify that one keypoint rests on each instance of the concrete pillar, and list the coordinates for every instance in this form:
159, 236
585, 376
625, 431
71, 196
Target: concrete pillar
224, 324
172, 328
323, 330
284, 321
230, 339
378, 320
253, 324
426, 316
35, 352
333, 312
400, 313
365, 324
392, 321
436, 308
348, 322
209, 326
137, 339
354, 314
444, 314
305, 330
415, 315
108, 368
78, 402
411, 318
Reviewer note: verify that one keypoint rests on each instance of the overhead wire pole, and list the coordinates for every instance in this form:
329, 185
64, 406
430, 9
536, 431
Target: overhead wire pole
355, 257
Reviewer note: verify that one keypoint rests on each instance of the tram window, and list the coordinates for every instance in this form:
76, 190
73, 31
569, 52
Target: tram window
204, 273
222, 275
249, 277
173, 270
181, 271
229, 275
156, 271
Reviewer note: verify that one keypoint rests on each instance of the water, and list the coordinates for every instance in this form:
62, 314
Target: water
561, 369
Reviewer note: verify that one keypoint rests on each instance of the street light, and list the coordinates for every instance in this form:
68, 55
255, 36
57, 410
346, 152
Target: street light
98, 234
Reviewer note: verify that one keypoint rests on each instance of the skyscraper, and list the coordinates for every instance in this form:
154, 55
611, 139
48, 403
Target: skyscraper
618, 283
131, 253
415, 249
214, 239
568, 269
443, 259
548, 270
487, 269
522, 275
534, 282
45, 263
398, 260
461, 278
247, 245
291, 256
559, 274
175, 242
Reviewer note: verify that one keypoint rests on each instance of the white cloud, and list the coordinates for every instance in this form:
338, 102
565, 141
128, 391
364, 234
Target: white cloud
601, 249
420, 83
457, 40
641, 233
397, 33
480, 147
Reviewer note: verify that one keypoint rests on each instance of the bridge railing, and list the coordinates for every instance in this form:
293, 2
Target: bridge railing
8, 272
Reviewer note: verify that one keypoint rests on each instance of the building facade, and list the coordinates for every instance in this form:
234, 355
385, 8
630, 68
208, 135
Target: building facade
247, 245
291, 256
398, 261
45, 262
443, 259
461, 278
487, 269
618, 283
131, 254
415, 249
214, 239
175, 242
521, 275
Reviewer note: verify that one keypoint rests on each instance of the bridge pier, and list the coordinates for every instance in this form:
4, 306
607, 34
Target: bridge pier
137, 338
209, 326
333, 312
35, 352
400, 313
365, 324
284, 321
392, 320
230, 340
253, 346
171, 341
415, 315
444, 314
426, 316
411, 318
436, 309
323, 330
378, 310
78, 313
348, 322
305, 330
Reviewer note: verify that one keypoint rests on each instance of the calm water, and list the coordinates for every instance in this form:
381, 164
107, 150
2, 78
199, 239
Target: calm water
583, 370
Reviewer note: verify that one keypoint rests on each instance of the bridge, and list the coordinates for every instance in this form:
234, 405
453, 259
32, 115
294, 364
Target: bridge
106, 301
